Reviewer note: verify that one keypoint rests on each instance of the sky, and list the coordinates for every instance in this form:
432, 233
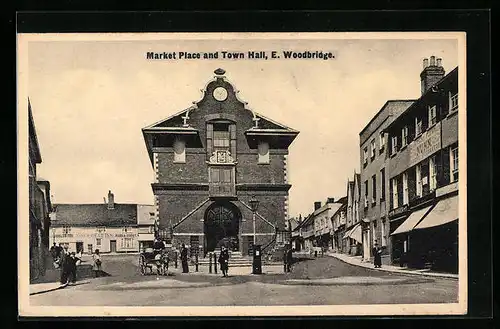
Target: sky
90, 100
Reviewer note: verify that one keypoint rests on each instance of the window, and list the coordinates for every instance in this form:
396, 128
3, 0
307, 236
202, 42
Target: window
394, 145
263, 149
101, 229
90, 248
418, 127
394, 193
66, 230
433, 173
374, 189
366, 193
98, 242
384, 238
382, 184
372, 145
221, 137
432, 115
127, 243
381, 142
404, 136
405, 188
126, 229
179, 151
418, 179
365, 156
453, 101
454, 164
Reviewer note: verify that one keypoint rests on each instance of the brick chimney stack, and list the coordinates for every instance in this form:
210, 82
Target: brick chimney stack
111, 200
317, 205
432, 72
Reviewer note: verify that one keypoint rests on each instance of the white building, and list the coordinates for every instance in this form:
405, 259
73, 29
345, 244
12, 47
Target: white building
109, 227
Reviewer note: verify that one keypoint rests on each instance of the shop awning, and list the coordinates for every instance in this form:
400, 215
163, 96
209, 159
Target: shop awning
444, 212
356, 233
411, 221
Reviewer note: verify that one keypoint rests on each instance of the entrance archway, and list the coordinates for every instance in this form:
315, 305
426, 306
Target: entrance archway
222, 226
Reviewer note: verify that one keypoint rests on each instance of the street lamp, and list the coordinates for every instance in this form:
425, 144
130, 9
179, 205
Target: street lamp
254, 204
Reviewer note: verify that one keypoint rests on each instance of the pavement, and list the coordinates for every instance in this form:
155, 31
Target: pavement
358, 261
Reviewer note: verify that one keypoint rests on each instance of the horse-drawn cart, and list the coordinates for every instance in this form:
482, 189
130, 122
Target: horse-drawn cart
153, 258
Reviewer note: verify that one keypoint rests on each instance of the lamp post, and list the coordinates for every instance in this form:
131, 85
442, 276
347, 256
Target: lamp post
254, 204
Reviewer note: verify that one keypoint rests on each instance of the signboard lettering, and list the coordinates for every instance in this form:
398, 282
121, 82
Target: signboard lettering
427, 144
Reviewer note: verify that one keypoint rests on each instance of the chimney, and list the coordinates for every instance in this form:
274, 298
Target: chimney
432, 72
104, 199
330, 200
111, 200
317, 205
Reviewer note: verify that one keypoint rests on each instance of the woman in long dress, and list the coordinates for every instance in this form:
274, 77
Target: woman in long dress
96, 257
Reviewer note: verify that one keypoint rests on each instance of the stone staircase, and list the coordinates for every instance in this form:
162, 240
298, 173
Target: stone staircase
236, 259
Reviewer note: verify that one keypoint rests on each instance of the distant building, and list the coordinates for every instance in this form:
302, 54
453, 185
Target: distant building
374, 180
352, 238
339, 219
109, 227
423, 173
39, 206
146, 218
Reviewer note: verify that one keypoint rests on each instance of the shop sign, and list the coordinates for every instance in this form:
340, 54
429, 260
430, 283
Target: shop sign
424, 146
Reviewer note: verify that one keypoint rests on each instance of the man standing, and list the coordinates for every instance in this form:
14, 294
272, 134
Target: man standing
224, 261
63, 260
71, 267
184, 259
377, 255
289, 259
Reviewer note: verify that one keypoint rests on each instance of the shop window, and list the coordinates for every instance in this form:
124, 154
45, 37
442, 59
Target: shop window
454, 163
127, 243
384, 237
179, 151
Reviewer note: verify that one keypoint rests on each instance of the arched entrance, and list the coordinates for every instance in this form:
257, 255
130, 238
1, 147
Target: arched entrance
221, 226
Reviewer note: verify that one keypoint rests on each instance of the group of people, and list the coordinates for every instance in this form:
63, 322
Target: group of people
67, 262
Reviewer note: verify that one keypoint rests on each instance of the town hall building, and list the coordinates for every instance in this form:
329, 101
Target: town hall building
220, 172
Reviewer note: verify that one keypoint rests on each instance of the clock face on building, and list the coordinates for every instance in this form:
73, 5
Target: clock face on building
220, 94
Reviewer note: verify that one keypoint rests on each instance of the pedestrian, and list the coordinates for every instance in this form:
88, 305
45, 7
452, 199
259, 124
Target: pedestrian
184, 259
377, 255
289, 259
224, 261
96, 257
71, 267
63, 257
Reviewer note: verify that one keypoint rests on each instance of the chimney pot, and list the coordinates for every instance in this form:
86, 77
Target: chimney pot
433, 61
426, 62
438, 63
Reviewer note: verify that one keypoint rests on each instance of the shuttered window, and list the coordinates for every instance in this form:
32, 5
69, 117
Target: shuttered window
210, 135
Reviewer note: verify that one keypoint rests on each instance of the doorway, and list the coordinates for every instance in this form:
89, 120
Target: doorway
112, 245
221, 226
79, 246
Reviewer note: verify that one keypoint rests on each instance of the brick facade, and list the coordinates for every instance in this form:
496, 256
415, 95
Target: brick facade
183, 190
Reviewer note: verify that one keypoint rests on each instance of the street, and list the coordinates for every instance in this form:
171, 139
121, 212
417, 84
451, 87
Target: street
321, 281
